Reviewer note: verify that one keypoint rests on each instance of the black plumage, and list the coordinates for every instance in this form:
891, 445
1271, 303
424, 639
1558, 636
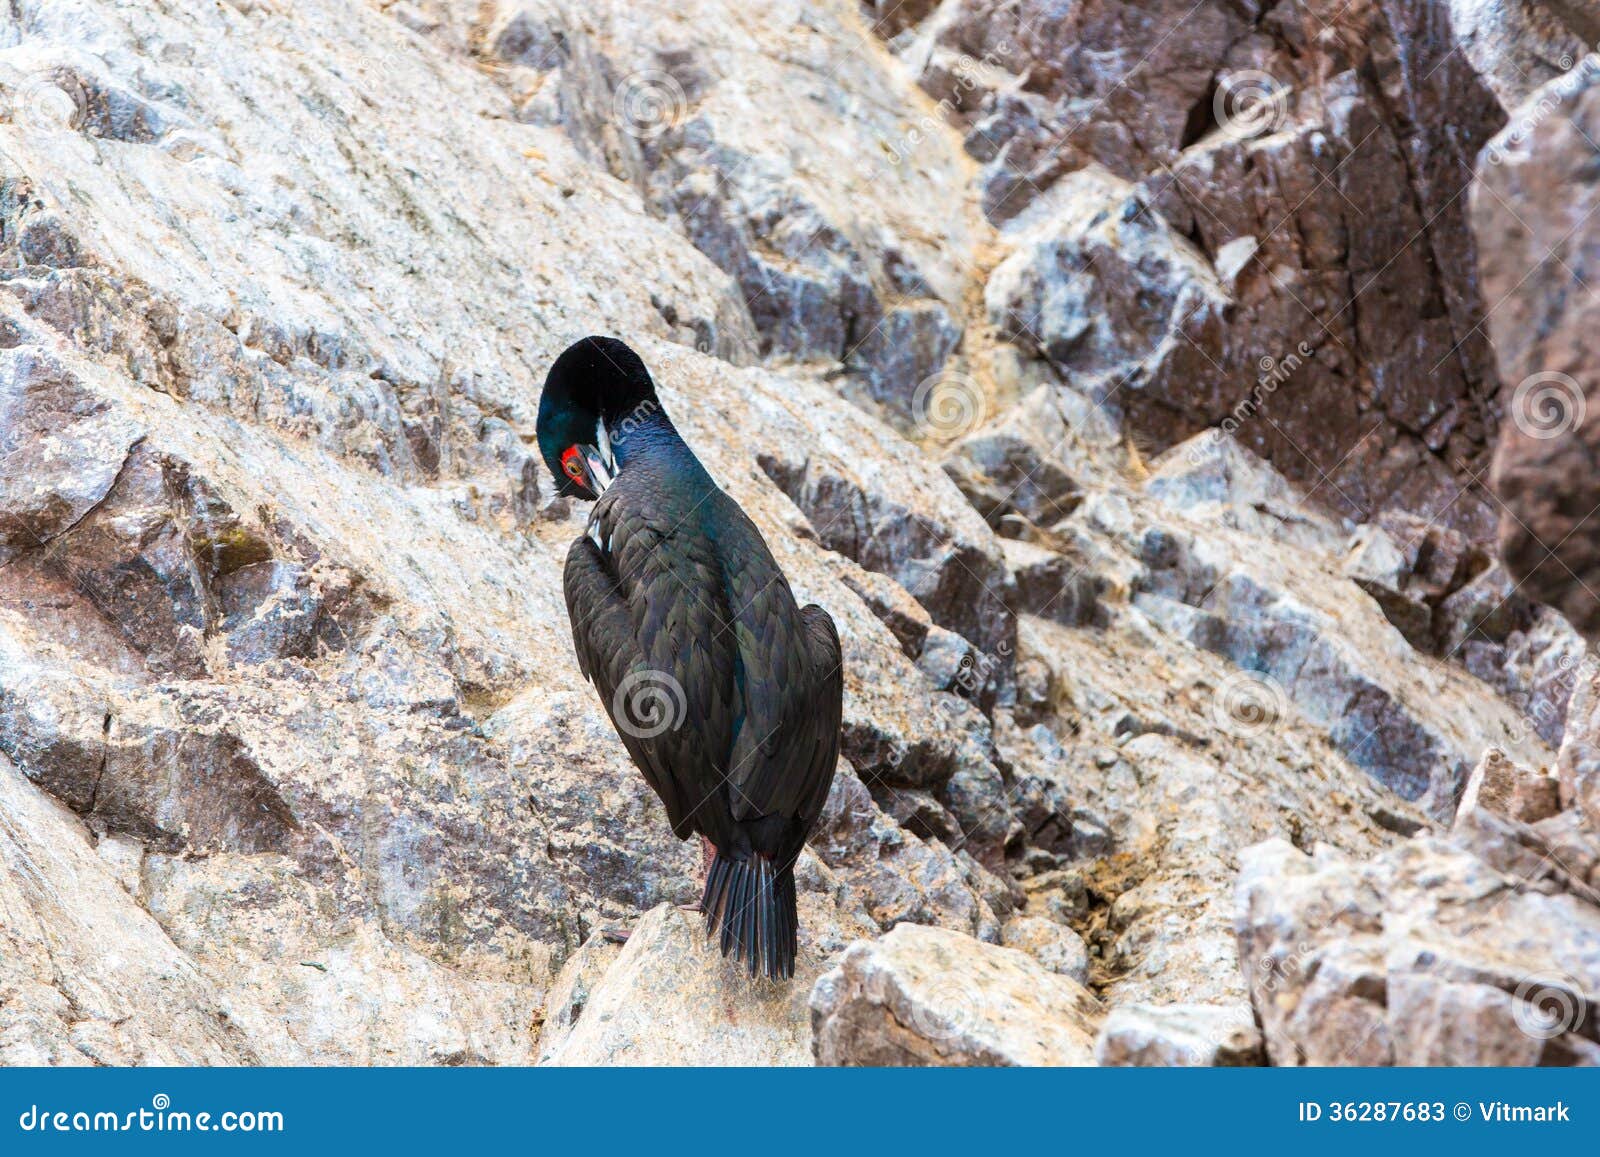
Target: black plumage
724, 691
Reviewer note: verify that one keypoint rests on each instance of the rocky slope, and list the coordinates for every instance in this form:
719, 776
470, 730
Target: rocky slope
1121, 386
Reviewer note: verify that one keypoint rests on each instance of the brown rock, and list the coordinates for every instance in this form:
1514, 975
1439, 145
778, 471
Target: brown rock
1502, 786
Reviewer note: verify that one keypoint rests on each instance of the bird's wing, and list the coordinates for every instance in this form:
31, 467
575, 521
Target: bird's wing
652, 632
828, 708
788, 742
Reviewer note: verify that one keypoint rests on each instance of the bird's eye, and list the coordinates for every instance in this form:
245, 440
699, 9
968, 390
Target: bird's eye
572, 463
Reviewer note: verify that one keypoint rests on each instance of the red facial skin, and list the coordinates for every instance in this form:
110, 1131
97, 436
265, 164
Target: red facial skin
572, 463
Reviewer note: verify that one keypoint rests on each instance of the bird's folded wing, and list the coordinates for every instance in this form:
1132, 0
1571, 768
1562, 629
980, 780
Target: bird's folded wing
651, 632
785, 750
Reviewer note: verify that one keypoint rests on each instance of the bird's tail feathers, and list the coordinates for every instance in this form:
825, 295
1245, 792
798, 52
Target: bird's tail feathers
751, 904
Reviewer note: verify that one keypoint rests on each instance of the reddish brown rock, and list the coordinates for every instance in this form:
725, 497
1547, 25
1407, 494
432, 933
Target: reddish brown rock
1312, 286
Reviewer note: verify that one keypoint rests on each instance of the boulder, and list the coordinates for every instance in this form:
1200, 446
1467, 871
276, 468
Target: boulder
668, 997
926, 996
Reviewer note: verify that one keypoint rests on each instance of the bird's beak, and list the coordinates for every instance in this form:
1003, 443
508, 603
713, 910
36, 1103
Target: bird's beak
597, 473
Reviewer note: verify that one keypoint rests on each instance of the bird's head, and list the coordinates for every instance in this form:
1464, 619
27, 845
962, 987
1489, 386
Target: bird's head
595, 389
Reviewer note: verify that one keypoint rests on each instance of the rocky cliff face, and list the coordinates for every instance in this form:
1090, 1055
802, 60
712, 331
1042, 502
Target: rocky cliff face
1116, 375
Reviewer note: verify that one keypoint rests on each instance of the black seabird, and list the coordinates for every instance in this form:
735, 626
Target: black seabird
726, 693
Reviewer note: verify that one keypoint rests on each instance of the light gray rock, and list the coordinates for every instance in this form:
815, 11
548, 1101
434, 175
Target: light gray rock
1053, 945
667, 997
1426, 955
1179, 1035
926, 996
96, 981
818, 218
1579, 760
1099, 286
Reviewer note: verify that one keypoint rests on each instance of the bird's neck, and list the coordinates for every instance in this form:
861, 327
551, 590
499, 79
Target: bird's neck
647, 434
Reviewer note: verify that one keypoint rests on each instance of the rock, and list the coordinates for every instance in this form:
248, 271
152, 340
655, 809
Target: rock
1277, 168
670, 998
1438, 589
1012, 466
923, 534
895, 608
1501, 786
97, 982
1053, 945
55, 430
836, 258
925, 996
521, 32
1214, 478
572, 989
1179, 1035
898, 876
1253, 607
1540, 166
1105, 291
1056, 585
1578, 763
1518, 47
1426, 955
1378, 566
944, 657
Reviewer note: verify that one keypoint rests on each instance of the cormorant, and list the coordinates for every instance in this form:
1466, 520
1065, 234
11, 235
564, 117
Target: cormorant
726, 693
